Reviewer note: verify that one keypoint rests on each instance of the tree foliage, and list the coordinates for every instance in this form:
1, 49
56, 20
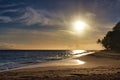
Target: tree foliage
112, 39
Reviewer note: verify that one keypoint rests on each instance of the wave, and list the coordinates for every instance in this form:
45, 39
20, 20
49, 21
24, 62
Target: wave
18, 59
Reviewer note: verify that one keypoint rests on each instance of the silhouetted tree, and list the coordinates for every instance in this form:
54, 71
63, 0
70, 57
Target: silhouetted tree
99, 41
117, 27
106, 42
112, 39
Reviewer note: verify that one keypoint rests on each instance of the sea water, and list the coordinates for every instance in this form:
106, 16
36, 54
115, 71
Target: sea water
10, 59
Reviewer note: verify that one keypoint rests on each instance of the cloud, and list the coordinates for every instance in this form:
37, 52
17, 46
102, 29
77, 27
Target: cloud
11, 5
42, 17
7, 46
67, 32
91, 15
5, 19
8, 11
31, 16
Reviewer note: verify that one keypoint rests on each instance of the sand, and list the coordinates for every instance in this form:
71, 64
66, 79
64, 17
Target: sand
98, 66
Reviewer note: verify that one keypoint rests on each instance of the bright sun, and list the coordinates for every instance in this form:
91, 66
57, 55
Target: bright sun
79, 25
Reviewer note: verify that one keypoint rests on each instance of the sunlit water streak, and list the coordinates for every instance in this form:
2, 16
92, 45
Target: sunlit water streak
74, 59
77, 54
78, 51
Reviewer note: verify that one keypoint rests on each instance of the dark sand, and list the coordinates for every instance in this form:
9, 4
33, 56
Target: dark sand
98, 66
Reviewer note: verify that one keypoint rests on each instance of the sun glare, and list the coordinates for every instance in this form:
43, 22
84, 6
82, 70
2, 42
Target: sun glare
79, 26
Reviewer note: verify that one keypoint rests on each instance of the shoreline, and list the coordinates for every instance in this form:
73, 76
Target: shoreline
96, 67
71, 61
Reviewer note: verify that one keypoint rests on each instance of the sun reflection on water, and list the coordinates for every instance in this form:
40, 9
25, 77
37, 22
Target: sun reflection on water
79, 62
78, 51
76, 54
72, 62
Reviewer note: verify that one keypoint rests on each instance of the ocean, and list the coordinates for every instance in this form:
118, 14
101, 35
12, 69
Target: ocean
10, 59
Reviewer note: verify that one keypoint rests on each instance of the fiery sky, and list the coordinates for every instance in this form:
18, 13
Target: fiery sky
46, 24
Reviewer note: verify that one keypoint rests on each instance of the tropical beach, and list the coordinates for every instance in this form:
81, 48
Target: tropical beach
98, 66
59, 39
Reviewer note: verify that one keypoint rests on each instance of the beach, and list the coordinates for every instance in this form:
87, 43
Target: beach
101, 65
59, 39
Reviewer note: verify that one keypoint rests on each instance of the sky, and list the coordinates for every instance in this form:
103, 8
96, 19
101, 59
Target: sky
47, 24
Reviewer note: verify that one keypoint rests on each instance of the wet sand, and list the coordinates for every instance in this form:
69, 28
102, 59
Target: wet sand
98, 66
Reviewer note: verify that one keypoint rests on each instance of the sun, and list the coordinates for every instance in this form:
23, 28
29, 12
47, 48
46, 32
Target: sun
79, 25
